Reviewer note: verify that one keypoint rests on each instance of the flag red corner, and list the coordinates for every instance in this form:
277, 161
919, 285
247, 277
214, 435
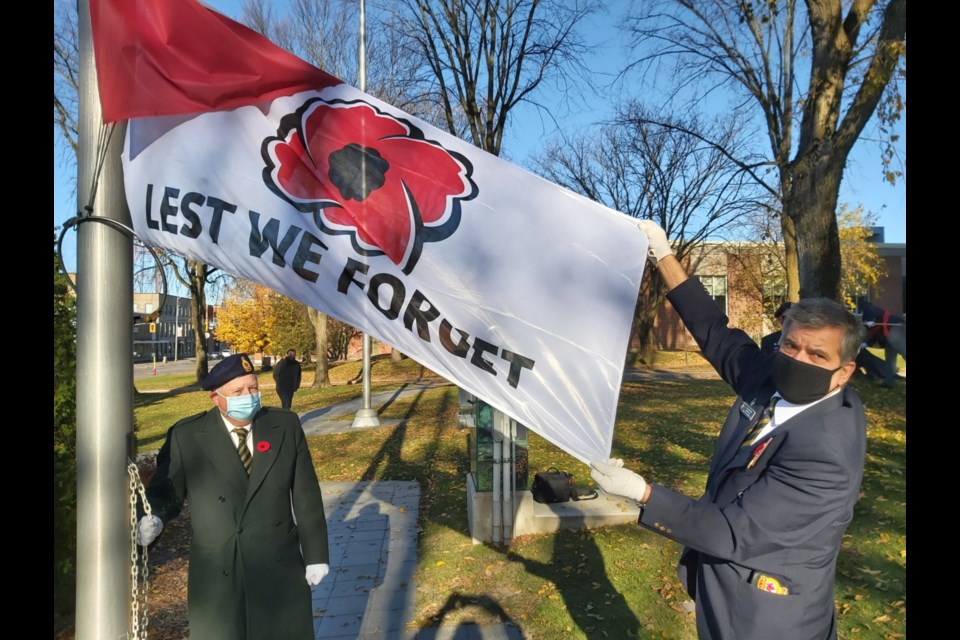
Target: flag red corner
166, 57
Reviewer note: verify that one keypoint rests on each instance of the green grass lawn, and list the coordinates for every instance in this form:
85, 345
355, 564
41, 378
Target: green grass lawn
616, 582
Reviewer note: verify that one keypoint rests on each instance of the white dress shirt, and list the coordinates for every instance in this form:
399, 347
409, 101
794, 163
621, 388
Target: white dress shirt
233, 436
784, 410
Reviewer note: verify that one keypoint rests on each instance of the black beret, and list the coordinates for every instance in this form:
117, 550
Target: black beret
226, 370
782, 309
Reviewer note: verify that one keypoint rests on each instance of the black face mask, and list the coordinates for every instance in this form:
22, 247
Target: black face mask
799, 382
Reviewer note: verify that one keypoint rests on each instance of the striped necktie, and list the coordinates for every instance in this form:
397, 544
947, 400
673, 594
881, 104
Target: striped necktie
245, 456
761, 423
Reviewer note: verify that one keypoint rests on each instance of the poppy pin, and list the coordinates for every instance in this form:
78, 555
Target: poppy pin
757, 452
263, 446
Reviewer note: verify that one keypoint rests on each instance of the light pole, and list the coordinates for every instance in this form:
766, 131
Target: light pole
367, 415
176, 328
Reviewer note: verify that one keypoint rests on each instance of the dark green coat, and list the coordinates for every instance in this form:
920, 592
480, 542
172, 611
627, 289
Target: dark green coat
246, 565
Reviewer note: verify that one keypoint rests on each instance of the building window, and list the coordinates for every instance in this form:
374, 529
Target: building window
716, 287
774, 293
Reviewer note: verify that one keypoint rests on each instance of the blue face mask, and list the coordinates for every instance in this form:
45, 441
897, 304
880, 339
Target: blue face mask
242, 408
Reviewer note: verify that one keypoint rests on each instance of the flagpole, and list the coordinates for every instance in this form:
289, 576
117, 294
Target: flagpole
367, 415
104, 367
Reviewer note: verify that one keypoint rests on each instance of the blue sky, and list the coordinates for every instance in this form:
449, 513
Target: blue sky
862, 183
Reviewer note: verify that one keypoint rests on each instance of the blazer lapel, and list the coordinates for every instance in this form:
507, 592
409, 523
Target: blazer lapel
216, 445
750, 414
735, 458
756, 454
267, 441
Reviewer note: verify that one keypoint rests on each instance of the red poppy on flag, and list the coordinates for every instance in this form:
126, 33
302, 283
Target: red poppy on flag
371, 174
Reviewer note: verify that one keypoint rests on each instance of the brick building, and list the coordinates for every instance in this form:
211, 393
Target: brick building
173, 335
748, 289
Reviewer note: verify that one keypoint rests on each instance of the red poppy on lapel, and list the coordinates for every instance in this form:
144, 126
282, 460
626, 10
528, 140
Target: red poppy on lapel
263, 446
757, 452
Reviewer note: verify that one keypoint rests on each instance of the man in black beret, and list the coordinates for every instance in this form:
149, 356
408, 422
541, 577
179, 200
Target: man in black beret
771, 342
287, 375
259, 532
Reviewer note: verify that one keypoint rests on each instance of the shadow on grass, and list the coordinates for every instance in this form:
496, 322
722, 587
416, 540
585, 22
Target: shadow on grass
149, 398
387, 463
582, 579
457, 601
583, 554
677, 426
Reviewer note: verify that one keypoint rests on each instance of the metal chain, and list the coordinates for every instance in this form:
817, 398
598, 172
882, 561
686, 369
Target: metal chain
140, 614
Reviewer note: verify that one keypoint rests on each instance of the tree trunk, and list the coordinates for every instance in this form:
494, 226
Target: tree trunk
652, 295
811, 202
321, 378
197, 274
789, 232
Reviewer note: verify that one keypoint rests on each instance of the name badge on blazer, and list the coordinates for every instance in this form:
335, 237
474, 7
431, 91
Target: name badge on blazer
748, 412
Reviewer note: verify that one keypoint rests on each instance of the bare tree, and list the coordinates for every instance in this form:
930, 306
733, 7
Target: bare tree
487, 56
327, 35
66, 74
339, 336
196, 276
659, 173
758, 251
813, 74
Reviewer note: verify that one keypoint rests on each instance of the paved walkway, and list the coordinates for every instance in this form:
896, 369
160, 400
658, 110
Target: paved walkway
372, 527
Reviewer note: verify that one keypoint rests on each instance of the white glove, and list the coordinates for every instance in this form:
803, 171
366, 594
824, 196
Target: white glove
613, 478
148, 530
659, 245
868, 324
316, 573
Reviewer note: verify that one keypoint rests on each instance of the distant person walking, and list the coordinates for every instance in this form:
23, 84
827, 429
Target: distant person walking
887, 331
287, 376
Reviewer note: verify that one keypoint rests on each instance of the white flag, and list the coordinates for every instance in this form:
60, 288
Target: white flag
519, 291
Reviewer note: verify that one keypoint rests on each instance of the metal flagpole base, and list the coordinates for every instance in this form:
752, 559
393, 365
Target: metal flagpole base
365, 418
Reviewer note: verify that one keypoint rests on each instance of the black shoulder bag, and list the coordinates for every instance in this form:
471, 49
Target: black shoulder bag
553, 486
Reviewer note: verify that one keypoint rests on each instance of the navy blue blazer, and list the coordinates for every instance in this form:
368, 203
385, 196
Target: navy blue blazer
762, 542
